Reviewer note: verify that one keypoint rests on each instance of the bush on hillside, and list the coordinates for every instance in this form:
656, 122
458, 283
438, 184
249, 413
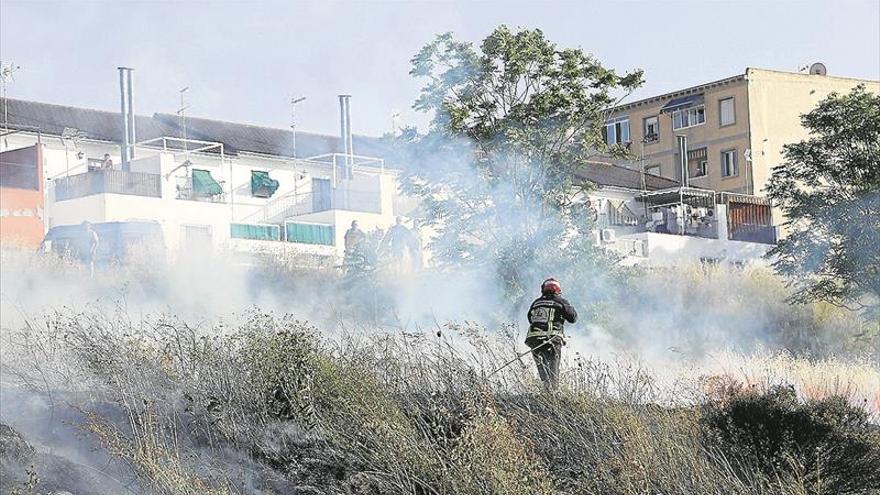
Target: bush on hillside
827, 444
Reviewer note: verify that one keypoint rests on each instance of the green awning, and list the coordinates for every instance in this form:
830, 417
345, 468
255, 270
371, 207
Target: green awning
259, 232
203, 184
262, 186
310, 233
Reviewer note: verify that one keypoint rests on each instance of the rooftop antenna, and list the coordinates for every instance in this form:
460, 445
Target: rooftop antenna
70, 135
181, 120
293, 102
6, 75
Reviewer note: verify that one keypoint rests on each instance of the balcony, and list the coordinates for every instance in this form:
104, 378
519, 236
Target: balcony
108, 182
200, 186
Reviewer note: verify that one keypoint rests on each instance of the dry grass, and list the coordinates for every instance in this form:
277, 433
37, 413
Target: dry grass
408, 413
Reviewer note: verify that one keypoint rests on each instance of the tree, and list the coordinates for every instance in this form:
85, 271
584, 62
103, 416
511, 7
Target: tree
496, 171
829, 190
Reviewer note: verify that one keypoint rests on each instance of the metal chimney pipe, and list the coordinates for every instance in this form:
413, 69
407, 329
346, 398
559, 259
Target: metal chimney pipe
131, 125
683, 158
124, 115
345, 123
345, 130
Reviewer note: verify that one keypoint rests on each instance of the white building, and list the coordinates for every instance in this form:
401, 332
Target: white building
651, 220
237, 187
226, 186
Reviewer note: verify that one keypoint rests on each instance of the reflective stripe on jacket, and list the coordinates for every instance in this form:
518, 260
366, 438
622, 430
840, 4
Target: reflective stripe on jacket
547, 317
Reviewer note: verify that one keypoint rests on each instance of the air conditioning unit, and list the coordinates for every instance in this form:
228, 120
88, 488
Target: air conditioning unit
608, 235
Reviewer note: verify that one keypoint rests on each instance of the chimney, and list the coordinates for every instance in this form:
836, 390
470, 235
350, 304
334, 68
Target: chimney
345, 130
126, 98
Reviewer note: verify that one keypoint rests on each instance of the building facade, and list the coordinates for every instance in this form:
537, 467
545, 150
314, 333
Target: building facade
735, 128
225, 186
238, 188
21, 196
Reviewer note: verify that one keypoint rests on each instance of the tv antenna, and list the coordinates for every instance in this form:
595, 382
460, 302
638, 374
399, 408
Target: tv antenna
7, 72
181, 118
293, 103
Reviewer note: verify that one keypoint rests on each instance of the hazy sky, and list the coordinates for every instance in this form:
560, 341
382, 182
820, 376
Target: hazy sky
243, 60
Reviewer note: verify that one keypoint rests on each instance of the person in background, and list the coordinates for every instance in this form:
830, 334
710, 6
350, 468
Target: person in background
400, 239
107, 164
354, 239
546, 335
92, 242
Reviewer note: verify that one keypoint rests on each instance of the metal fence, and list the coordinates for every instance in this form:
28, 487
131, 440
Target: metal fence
108, 182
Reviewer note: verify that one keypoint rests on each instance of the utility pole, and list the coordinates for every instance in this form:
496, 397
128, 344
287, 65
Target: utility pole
293, 102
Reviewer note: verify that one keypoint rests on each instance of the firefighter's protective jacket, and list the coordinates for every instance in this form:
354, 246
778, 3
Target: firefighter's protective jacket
547, 317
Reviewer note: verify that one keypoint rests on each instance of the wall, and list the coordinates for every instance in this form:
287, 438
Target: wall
711, 135
22, 209
234, 173
776, 102
673, 250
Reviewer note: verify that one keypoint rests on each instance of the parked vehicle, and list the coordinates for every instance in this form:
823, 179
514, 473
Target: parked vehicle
117, 241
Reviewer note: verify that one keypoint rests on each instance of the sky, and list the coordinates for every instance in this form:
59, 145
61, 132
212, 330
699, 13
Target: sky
244, 60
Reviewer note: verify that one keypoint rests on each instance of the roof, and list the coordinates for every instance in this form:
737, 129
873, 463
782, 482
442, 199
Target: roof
96, 124
107, 126
684, 101
681, 92
101, 125
605, 175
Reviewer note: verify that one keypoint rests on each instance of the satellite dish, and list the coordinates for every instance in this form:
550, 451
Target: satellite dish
818, 69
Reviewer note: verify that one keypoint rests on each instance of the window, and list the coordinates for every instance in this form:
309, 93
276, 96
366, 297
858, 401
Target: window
653, 170
652, 129
726, 112
688, 117
261, 232
309, 233
697, 162
729, 167
617, 131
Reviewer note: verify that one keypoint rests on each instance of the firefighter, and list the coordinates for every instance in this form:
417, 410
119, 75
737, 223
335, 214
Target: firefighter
546, 336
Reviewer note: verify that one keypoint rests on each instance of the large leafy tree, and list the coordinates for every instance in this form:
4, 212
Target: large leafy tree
829, 190
497, 171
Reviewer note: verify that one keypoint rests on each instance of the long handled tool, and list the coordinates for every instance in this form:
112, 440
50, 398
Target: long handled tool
518, 357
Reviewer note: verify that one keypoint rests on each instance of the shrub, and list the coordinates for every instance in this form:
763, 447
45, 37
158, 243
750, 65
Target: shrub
827, 444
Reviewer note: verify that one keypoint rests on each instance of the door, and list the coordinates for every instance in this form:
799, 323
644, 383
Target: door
195, 238
322, 192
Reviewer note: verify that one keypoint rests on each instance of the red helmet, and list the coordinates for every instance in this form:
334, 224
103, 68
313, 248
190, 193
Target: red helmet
552, 286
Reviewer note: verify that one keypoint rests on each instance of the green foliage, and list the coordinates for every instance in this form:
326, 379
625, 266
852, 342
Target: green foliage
829, 445
829, 189
497, 171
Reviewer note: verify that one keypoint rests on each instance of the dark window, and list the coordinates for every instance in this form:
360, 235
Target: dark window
652, 129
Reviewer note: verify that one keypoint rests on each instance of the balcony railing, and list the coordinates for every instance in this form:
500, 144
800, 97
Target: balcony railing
108, 182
